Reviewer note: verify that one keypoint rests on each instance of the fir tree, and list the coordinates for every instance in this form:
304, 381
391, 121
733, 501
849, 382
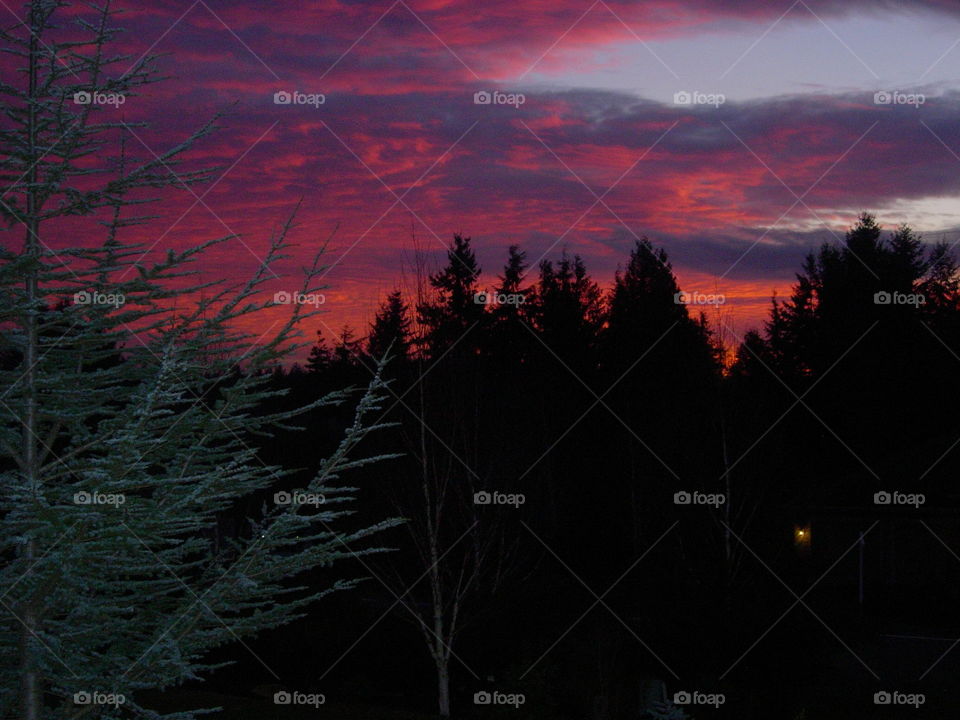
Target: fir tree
644, 305
128, 434
390, 330
347, 349
321, 356
862, 320
509, 341
567, 309
455, 308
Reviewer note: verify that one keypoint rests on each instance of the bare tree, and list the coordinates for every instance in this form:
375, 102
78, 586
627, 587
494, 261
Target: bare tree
462, 549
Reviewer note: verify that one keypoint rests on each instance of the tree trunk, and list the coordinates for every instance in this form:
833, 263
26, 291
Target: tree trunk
30, 685
443, 687
440, 655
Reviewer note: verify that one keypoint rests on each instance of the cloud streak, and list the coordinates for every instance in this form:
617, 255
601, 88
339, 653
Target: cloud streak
717, 186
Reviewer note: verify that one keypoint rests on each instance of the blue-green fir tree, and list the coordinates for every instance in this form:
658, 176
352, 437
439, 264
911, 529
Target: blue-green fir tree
129, 398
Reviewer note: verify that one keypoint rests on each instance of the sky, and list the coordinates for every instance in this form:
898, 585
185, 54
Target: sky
784, 141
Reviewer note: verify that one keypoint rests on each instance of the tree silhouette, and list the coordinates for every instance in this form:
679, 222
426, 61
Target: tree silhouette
454, 309
861, 320
567, 309
390, 330
321, 356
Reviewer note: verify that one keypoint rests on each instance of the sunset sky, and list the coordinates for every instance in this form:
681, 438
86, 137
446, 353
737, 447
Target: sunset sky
597, 155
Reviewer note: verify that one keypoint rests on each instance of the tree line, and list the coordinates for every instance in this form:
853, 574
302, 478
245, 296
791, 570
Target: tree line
598, 407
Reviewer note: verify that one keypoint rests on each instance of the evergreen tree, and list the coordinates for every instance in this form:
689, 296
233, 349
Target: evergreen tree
853, 330
646, 308
568, 311
321, 356
661, 371
347, 349
390, 331
117, 466
508, 341
455, 307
